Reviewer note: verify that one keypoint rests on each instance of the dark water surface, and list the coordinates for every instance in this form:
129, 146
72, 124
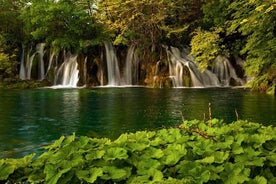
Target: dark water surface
32, 118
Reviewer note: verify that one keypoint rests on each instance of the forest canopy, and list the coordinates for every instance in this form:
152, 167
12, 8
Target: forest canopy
238, 29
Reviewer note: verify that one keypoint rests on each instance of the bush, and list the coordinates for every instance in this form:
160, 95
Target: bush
194, 152
7, 66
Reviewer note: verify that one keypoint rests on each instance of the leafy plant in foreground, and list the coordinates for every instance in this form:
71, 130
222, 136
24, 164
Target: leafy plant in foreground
194, 152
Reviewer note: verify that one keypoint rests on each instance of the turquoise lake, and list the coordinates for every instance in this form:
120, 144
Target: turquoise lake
30, 119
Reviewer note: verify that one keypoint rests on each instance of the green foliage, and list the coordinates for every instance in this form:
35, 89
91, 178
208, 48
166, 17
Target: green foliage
62, 24
249, 31
256, 21
8, 64
7, 67
194, 152
150, 22
133, 20
206, 46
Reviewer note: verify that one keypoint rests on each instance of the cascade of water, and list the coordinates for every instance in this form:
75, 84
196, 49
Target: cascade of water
176, 66
67, 74
22, 72
225, 71
41, 69
220, 75
112, 65
52, 55
26, 65
177, 62
101, 69
202, 79
131, 68
29, 64
85, 71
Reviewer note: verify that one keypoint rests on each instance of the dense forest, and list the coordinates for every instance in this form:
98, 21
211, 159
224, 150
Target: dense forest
239, 30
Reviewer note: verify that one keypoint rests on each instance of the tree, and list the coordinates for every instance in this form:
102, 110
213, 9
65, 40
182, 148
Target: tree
134, 20
182, 18
150, 21
63, 24
8, 64
206, 46
10, 37
10, 25
248, 30
256, 20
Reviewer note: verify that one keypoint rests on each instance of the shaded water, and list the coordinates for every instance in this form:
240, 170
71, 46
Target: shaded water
32, 118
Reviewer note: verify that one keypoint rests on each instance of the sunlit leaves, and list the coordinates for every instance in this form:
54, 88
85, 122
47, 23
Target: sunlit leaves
8, 166
115, 173
115, 153
90, 175
134, 20
205, 47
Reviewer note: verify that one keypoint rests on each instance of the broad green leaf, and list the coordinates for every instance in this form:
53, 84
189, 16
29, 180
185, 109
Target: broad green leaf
237, 148
235, 173
207, 160
221, 156
144, 165
272, 159
82, 142
69, 139
202, 147
225, 143
137, 146
173, 136
90, 175
155, 153
56, 144
173, 154
114, 173
95, 154
53, 174
258, 139
115, 153
258, 180
215, 171
155, 175
157, 141
8, 166
122, 139
5, 171
250, 157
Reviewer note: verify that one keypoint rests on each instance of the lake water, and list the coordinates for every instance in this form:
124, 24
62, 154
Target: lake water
30, 119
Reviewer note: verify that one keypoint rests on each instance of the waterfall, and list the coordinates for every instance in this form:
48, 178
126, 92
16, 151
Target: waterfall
85, 71
176, 66
101, 69
26, 65
52, 55
112, 65
67, 75
225, 71
220, 75
22, 72
131, 68
41, 70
